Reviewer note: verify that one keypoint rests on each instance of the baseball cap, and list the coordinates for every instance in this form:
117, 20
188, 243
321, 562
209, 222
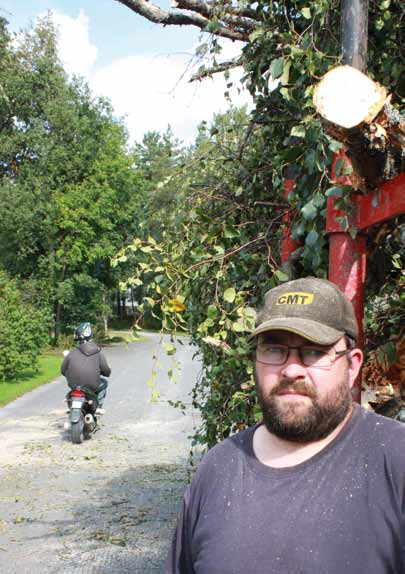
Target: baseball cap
313, 308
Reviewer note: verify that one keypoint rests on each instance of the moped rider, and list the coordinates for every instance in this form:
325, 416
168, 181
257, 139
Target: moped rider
86, 366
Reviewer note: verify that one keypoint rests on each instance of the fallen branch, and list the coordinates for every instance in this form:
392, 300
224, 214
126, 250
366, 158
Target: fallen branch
217, 343
245, 140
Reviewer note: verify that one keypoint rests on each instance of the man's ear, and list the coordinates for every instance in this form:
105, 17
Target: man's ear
356, 360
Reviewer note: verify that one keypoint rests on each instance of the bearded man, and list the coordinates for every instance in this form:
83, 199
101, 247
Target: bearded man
317, 487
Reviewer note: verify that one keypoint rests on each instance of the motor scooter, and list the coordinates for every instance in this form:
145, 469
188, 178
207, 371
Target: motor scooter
82, 420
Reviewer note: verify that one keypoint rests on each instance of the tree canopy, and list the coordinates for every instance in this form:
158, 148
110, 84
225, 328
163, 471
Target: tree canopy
69, 196
208, 271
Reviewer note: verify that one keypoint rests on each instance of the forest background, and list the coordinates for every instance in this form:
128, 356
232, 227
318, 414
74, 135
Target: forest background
191, 234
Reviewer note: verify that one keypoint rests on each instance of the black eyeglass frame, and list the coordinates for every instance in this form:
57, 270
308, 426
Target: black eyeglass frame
337, 355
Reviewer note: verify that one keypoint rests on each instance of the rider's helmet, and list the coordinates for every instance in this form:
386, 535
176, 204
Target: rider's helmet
83, 332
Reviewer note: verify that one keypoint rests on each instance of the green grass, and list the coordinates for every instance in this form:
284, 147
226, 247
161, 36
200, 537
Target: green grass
121, 336
49, 369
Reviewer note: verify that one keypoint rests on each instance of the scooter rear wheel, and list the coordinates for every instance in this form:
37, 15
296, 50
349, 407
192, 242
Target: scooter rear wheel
77, 431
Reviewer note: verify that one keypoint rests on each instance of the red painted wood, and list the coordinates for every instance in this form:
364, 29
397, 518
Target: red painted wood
347, 269
347, 258
376, 207
288, 244
387, 202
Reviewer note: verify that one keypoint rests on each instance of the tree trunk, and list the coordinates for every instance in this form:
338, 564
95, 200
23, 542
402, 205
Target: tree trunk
118, 304
123, 306
132, 302
354, 24
52, 333
357, 112
105, 315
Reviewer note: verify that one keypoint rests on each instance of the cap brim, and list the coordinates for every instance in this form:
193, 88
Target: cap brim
306, 328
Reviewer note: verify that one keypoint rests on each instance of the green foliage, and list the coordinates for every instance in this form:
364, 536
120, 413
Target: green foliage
220, 252
82, 296
159, 159
23, 330
385, 309
205, 272
69, 196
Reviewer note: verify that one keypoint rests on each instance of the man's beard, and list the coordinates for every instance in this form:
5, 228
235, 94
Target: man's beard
294, 423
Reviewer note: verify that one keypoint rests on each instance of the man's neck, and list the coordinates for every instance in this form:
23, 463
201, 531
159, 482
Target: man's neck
276, 452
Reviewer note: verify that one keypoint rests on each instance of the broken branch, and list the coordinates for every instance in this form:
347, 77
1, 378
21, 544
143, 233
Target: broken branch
222, 67
155, 14
357, 112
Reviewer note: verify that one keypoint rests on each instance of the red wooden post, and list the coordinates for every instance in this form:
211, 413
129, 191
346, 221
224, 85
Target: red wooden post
347, 255
347, 269
347, 258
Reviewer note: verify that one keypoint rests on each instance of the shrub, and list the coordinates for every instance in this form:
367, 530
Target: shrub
23, 330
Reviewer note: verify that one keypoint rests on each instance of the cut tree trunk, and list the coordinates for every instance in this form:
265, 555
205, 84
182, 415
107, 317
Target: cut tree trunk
357, 112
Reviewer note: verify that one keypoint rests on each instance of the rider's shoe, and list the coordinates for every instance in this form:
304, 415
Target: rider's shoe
100, 411
67, 425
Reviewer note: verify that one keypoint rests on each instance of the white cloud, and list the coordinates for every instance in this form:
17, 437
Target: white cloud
151, 91
154, 91
75, 49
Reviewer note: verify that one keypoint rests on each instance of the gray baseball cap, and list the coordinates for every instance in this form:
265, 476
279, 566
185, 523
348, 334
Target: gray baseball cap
313, 308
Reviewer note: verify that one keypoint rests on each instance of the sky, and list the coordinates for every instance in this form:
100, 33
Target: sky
143, 68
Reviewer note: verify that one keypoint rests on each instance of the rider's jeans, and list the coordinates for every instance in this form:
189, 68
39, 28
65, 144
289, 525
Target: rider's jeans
102, 391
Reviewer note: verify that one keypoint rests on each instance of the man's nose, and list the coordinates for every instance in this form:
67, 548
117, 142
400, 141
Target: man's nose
293, 368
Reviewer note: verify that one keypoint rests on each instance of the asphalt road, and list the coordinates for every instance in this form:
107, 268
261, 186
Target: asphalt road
107, 506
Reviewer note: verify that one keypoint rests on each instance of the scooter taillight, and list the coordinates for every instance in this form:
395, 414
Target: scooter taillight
77, 393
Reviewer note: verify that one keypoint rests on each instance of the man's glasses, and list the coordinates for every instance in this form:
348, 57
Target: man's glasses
277, 354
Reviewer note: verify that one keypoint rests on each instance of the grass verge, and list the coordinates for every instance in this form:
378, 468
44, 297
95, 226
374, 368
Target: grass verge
49, 369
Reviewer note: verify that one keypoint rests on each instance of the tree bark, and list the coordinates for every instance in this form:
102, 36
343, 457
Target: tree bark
229, 25
354, 33
118, 299
105, 315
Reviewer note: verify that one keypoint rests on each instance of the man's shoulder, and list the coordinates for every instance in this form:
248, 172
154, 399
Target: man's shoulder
221, 462
385, 436
234, 447
380, 425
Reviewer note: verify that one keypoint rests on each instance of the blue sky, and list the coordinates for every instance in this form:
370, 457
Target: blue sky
115, 29
143, 68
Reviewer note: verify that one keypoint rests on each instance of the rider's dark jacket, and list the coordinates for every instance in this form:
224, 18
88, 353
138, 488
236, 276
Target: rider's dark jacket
84, 365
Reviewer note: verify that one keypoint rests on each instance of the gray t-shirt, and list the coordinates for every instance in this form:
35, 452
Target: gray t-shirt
340, 512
